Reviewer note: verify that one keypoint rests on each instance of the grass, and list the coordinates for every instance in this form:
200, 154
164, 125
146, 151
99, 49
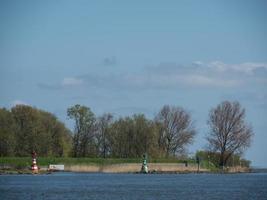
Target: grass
25, 162
208, 165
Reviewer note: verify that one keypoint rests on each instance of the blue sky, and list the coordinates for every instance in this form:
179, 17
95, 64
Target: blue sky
134, 57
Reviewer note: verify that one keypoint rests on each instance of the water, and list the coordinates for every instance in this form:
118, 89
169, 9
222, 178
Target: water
134, 186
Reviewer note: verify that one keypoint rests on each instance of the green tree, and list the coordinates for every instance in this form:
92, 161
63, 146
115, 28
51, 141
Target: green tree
121, 137
57, 135
27, 129
145, 138
213, 159
131, 137
84, 143
7, 133
40, 131
103, 134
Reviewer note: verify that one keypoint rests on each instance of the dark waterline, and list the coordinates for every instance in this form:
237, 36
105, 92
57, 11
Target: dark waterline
134, 186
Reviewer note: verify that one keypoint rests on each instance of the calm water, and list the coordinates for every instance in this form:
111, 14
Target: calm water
134, 186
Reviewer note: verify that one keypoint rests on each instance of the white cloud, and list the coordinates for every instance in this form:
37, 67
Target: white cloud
215, 74
70, 81
248, 68
201, 80
156, 80
18, 102
66, 83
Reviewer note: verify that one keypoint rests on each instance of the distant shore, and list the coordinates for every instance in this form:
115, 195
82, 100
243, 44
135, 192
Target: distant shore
157, 168
21, 165
135, 168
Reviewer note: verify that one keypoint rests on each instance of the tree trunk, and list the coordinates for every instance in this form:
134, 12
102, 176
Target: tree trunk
221, 163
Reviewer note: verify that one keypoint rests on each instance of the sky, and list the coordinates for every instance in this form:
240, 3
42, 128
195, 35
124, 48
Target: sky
127, 57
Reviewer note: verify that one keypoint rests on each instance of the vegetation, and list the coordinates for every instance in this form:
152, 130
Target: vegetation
211, 160
104, 139
83, 139
229, 133
131, 137
24, 129
175, 130
25, 162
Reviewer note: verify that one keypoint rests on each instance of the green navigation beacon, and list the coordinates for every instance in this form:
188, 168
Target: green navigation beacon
144, 168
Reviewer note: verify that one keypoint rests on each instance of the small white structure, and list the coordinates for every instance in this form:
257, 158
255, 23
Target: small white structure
56, 168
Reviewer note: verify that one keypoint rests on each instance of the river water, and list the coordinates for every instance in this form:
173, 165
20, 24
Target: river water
134, 186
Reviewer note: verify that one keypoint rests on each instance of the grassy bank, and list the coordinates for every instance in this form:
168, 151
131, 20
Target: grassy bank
113, 165
24, 162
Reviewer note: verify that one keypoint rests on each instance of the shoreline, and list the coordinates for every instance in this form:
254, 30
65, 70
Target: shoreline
135, 168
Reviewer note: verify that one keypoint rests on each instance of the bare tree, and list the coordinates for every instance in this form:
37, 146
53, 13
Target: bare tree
229, 132
175, 129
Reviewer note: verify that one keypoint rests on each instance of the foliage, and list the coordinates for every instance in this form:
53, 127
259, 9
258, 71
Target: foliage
103, 126
105, 139
211, 160
130, 137
25, 162
25, 129
7, 133
83, 140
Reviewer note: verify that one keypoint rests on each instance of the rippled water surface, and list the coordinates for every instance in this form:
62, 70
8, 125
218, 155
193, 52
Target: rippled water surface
134, 186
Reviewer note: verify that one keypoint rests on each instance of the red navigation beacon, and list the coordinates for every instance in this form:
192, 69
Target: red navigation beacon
34, 163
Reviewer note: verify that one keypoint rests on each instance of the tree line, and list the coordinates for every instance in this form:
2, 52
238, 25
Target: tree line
130, 137
24, 128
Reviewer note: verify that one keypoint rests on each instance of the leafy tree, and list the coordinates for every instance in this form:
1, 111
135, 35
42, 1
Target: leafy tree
229, 133
132, 137
24, 129
60, 137
213, 158
7, 133
121, 138
175, 130
103, 134
145, 138
27, 129
84, 143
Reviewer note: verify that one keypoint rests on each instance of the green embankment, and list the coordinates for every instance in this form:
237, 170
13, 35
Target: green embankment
208, 165
25, 162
